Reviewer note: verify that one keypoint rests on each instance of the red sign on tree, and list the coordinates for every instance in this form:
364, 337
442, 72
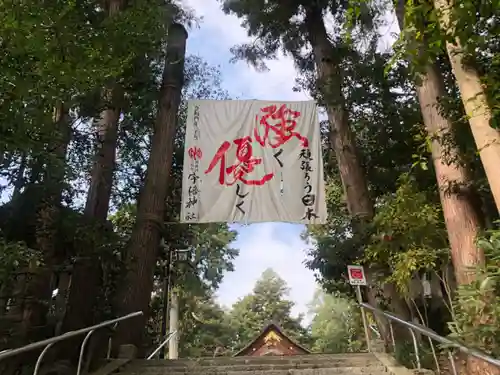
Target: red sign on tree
356, 275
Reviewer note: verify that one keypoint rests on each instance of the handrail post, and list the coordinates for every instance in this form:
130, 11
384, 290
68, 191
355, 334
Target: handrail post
363, 317
40, 357
452, 362
438, 368
82, 351
48, 343
162, 344
110, 342
391, 329
415, 346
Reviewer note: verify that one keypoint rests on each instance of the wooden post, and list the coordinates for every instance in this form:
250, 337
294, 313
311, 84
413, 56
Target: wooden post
363, 316
173, 344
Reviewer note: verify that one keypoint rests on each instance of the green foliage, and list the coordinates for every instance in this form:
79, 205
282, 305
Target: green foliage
14, 256
405, 355
334, 246
212, 255
59, 51
336, 325
267, 303
409, 234
477, 305
206, 330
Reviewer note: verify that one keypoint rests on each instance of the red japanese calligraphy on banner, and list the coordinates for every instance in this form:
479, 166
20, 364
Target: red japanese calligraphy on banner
275, 134
195, 153
246, 164
252, 161
283, 123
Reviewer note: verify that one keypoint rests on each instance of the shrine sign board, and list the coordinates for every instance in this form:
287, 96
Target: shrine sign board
356, 275
252, 161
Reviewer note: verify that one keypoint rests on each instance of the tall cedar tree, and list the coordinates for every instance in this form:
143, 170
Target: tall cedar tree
134, 293
291, 26
461, 215
86, 274
472, 91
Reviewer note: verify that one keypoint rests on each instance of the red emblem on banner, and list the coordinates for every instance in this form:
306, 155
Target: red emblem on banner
195, 153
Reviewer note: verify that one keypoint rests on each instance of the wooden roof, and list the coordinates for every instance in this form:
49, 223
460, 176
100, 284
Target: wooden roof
272, 341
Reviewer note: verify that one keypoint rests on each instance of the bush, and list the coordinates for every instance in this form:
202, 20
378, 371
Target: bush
404, 353
477, 305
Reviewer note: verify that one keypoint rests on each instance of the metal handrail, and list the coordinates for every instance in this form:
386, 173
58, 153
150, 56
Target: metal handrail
163, 343
48, 343
375, 330
431, 335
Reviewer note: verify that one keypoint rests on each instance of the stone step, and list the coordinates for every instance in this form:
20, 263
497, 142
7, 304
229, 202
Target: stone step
368, 370
268, 366
228, 361
259, 365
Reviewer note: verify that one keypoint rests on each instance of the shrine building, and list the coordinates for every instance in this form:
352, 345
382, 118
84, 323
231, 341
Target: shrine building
272, 341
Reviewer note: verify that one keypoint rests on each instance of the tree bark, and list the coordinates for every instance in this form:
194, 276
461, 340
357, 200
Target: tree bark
38, 290
101, 182
455, 188
381, 321
99, 194
475, 103
134, 293
342, 138
461, 216
86, 278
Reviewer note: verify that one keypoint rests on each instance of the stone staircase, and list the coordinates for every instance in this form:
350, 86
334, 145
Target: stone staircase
312, 364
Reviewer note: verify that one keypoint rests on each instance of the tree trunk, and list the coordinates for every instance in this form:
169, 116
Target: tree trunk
461, 216
474, 99
134, 293
342, 139
86, 278
380, 320
455, 188
101, 183
38, 290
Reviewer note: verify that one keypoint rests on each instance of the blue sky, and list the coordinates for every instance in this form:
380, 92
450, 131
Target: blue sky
263, 245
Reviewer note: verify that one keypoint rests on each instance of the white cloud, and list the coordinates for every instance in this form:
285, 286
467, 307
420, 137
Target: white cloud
220, 32
270, 245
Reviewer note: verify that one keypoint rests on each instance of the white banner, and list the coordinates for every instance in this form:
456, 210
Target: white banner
252, 161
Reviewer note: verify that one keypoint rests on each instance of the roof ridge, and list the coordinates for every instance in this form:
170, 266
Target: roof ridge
271, 323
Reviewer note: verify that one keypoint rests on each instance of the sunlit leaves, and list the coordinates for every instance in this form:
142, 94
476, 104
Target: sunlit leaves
336, 324
477, 306
409, 234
